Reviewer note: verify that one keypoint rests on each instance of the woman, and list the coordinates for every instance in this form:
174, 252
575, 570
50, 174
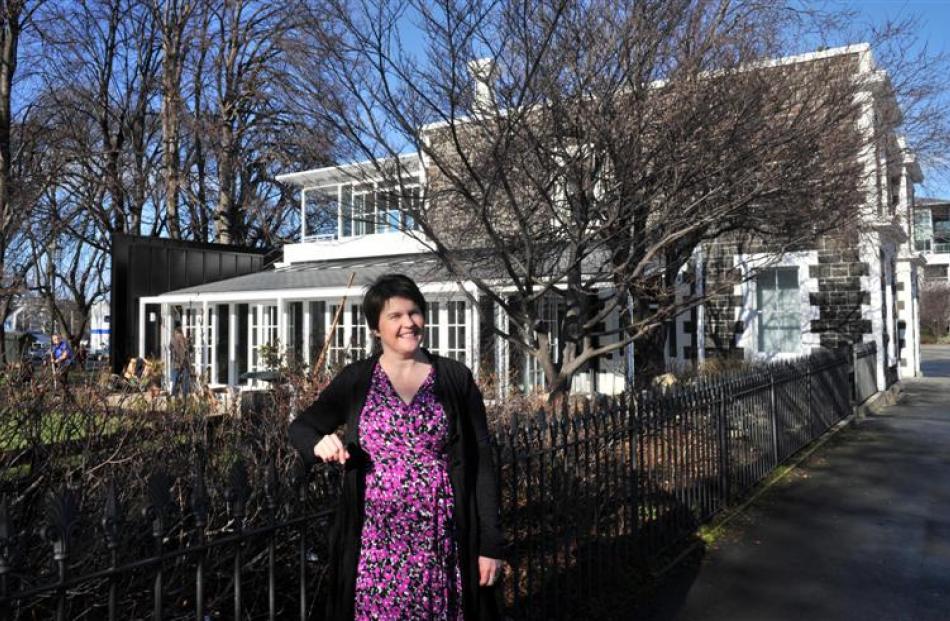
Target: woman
417, 534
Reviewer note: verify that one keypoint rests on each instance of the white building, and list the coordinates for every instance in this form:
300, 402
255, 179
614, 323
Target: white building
351, 225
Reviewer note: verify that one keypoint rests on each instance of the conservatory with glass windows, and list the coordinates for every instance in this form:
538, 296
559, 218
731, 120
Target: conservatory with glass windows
352, 231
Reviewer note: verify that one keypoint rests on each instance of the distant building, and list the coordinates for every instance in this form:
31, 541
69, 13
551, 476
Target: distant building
100, 327
932, 236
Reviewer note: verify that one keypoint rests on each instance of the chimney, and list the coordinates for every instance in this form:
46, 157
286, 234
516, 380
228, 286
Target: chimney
483, 75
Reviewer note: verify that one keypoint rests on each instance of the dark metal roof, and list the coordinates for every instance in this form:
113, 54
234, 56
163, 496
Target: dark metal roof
423, 268
320, 274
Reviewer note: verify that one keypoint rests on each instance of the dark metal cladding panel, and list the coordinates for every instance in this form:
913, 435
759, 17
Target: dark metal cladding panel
146, 266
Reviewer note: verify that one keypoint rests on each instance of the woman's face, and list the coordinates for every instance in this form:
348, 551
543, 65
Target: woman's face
401, 326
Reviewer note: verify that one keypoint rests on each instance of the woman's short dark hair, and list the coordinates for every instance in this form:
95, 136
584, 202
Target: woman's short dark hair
385, 287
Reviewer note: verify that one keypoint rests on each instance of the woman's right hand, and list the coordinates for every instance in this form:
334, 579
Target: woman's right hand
331, 449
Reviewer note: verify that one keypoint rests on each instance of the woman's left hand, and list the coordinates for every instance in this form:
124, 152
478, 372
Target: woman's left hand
489, 571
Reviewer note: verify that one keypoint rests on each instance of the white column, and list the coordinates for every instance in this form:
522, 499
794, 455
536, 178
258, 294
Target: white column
473, 318
304, 352
213, 342
699, 336
167, 325
141, 344
915, 316
871, 254
501, 353
282, 327
201, 341
232, 344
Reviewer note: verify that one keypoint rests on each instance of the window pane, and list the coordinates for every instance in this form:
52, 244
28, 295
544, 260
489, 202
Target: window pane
779, 310
432, 326
346, 210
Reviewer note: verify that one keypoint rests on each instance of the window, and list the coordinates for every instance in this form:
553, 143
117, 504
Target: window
432, 326
778, 305
222, 312
923, 230
318, 330
263, 335
446, 330
355, 209
550, 311
364, 209
935, 272
294, 346
336, 356
197, 328
357, 333
455, 326
349, 336
320, 213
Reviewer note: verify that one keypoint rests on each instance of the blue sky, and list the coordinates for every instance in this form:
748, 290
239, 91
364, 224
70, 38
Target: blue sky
934, 29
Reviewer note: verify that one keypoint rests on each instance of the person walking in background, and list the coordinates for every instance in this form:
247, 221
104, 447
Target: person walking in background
62, 356
417, 534
180, 359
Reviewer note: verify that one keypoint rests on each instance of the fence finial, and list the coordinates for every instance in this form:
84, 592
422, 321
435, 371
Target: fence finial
112, 516
6, 540
159, 502
62, 522
238, 491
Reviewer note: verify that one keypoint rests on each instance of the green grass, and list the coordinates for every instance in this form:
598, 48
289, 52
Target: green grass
56, 427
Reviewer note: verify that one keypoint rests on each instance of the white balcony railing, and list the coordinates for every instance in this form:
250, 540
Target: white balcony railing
321, 237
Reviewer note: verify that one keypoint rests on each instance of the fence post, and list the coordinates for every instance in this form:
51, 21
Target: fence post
773, 413
6, 536
725, 480
110, 530
159, 505
237, 495
63, 523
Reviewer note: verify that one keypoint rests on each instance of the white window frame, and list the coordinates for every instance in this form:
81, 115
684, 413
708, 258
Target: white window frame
552, 311
199, 328
442, 328
374, 224
342, 348
261, 332
748, 313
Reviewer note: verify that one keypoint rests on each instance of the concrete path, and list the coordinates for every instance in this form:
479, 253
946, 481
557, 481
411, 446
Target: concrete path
861, 531
935, 360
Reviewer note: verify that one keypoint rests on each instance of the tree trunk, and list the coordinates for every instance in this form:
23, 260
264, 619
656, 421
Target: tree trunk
9, 45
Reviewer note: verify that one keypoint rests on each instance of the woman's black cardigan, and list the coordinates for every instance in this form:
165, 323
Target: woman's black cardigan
471, 470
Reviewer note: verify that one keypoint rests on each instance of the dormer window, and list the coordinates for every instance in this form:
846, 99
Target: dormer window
355, 209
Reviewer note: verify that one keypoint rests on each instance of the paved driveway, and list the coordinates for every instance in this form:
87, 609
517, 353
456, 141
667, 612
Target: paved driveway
935, 361
861, 531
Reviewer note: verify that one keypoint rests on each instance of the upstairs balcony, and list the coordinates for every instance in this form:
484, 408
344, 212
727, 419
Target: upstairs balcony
349, 210
932, 227
347, 213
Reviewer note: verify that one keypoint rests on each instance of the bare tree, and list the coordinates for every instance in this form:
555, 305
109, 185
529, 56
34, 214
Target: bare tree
595, 146
17, 157
238, 117
101, 78
935, 308
173, 18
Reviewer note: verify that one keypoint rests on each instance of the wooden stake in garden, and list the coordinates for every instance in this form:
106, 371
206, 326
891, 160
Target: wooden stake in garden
318, 363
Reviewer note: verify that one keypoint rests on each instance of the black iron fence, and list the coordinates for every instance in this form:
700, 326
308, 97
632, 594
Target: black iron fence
591, 493
163, 560
588, 496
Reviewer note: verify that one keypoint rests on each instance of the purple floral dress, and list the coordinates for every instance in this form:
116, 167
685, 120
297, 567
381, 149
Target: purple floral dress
408, 566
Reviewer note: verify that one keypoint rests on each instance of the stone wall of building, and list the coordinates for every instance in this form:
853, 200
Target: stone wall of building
840, 295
